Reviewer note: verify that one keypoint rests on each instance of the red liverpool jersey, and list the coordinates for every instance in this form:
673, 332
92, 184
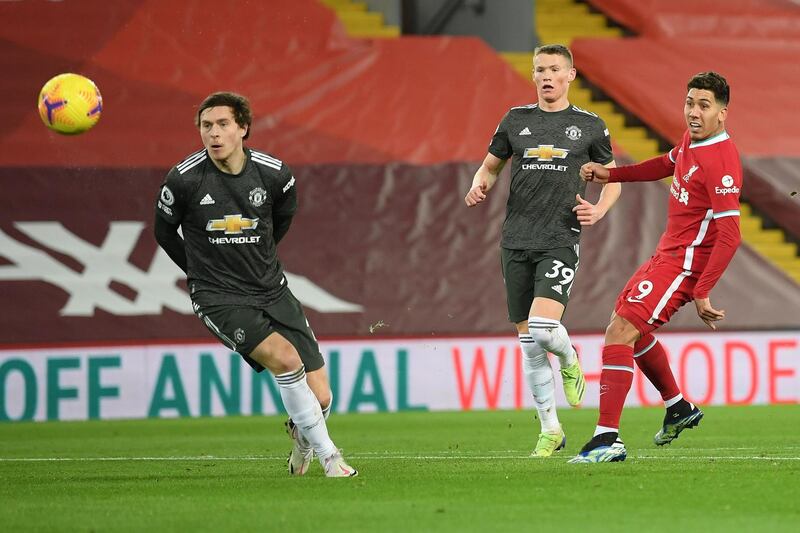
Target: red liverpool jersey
705, 187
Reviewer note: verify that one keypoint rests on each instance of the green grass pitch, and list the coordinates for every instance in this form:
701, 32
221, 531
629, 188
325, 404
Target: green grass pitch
739, 471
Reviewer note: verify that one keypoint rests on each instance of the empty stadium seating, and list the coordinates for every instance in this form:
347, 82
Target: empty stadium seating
383, 135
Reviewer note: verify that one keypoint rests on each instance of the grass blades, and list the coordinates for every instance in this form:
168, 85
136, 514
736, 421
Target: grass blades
739, 471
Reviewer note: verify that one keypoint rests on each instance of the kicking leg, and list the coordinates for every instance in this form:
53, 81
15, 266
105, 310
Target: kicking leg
615, 382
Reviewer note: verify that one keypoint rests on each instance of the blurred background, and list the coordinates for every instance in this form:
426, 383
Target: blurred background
384, 110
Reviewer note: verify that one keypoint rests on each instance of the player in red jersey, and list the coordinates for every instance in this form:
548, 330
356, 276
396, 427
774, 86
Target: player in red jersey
700, 240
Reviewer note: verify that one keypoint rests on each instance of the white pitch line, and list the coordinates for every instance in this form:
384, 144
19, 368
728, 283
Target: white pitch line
518, 452
375, 456
715, 458
188, 458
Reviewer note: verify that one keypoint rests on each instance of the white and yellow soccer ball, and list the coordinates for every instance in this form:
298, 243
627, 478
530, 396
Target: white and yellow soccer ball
70, 104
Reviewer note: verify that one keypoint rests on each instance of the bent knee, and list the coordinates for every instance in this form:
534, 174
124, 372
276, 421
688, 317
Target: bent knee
542, 337
621, 331
324, 397
277, 354
542, 331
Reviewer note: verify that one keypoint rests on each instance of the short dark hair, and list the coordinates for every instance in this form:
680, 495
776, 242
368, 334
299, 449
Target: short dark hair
554, 49
711, 81
242, 113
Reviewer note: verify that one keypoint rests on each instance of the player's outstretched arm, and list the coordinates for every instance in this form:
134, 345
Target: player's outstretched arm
707, 313
651, 170
484, 179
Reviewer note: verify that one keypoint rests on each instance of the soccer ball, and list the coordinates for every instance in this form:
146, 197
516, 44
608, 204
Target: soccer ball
70, 104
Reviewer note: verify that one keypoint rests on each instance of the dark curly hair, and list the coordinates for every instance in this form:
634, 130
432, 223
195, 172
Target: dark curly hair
711, 81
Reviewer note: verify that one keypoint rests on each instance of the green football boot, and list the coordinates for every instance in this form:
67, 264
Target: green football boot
574, 383
549, 443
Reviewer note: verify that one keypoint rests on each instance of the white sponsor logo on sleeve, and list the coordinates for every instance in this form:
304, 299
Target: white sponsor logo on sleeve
728, 186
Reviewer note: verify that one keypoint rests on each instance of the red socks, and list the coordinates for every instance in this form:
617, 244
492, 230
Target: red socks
617, 376
654, 364
615, 382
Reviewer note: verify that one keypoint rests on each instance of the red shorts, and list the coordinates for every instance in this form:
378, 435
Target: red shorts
654, 293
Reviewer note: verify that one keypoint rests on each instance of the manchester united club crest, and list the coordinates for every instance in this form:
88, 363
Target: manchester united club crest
573, 133
258, 196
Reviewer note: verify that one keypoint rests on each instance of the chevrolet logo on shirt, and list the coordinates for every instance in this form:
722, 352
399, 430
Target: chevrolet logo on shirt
545, 152
232, 224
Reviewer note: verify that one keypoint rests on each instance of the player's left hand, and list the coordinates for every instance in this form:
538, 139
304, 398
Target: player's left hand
708, 314
588, 213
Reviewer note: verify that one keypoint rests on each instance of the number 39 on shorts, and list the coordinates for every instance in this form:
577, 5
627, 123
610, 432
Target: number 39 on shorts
559, 270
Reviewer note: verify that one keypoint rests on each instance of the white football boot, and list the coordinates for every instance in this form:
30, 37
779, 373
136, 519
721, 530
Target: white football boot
302, 453
335, 466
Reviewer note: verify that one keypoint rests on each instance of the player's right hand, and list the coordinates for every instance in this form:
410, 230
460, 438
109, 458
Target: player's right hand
476, 195
594, 172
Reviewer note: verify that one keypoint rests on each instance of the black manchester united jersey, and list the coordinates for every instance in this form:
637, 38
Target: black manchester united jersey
548, 149
228, 223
